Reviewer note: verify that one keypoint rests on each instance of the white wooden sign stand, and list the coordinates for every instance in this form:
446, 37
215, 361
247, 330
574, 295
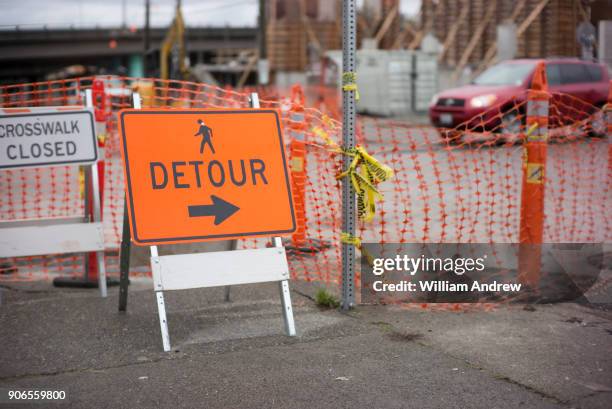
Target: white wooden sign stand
224, 268
23, 238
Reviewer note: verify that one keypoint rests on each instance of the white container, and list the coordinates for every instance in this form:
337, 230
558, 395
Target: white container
387, 80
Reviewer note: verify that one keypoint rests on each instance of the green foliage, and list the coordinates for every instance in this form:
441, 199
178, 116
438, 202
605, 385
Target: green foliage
325, 299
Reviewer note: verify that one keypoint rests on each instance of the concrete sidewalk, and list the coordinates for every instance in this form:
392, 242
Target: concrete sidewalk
234, 355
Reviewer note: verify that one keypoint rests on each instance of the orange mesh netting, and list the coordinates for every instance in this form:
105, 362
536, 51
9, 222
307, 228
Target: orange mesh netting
450, 185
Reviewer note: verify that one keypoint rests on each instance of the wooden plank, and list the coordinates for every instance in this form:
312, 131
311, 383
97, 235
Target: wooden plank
530, 18
247, 70
42, 222
416, 41
517, 10
51, 239
450, 36
386, 24
214, 269
473, 42
489, 57
363, 26
401, 38
306, 25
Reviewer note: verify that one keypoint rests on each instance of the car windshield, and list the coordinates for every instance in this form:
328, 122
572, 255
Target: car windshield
505, 74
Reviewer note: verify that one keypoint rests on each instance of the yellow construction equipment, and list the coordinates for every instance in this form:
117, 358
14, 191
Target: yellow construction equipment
173, 48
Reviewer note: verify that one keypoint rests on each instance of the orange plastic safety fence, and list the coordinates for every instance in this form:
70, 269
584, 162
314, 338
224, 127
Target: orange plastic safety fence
451, 185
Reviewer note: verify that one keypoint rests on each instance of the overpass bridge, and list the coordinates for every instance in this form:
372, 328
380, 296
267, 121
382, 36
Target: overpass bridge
31, 55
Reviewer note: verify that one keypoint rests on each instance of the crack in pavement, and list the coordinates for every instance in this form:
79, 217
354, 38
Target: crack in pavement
386, 327
178, 355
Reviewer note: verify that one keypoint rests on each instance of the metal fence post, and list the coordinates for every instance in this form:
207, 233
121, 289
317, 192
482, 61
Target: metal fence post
349, 24
126, 238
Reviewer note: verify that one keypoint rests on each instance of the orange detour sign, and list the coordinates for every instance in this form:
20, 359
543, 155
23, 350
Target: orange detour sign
205, 174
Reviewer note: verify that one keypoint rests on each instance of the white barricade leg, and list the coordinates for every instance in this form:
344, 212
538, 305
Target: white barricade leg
101, 273
287, 308
285, 296
97, 214
163, 322
159, 295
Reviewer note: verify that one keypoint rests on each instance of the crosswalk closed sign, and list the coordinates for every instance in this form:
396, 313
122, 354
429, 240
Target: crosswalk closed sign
50, 136
196, 175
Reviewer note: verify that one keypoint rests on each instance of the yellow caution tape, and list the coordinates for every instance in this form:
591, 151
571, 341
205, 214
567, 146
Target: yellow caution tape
349, 83
530, 131
532, 128
524, 157
365, 173
325, 136
328, 121
347, 238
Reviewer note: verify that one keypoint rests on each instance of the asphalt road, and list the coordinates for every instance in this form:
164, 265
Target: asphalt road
235, 354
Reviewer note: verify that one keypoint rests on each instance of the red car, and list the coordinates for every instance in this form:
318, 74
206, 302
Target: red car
504, 86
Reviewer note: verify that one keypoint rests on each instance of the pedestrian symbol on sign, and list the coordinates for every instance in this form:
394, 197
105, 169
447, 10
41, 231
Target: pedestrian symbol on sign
206, 133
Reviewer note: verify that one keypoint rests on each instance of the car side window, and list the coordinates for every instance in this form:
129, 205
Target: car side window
574, 73
553, 74
594, 72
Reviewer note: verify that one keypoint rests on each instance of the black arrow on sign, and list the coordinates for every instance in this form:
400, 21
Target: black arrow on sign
219, 208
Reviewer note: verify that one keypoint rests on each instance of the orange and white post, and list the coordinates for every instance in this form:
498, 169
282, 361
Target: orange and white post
297, 148
101, 115
534, 177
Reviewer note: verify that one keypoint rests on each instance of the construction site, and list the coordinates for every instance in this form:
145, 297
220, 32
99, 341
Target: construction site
306, 203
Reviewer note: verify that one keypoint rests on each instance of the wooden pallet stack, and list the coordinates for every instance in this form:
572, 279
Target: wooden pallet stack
299, 28
296, 28
467, 28
563, 41
286, 43
380, 20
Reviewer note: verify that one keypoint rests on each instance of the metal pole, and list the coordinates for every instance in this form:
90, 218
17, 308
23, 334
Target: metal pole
97, 217
146, 39
262, 64
87, 195
124, 259
263, 52
126, 239
96, 208
349, 24
123, 15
